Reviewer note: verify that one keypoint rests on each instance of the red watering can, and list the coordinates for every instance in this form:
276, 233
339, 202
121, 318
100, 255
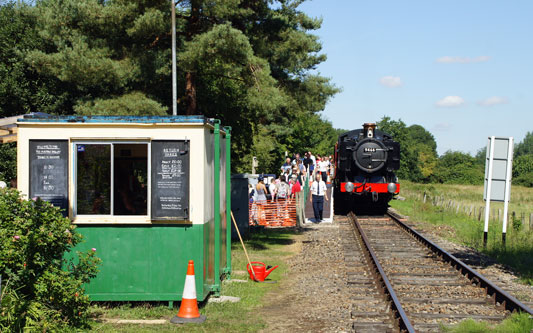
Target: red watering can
260, 270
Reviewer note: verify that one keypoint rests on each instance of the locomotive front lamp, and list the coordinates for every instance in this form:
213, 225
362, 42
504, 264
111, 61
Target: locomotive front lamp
391, 187
349, 187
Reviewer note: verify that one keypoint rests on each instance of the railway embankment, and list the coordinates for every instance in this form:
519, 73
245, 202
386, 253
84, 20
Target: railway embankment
451, 212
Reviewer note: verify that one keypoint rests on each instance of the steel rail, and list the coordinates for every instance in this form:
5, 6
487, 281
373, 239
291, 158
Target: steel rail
401, 317
498, 295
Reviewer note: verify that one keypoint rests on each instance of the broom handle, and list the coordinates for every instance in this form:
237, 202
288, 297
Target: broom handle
244, 248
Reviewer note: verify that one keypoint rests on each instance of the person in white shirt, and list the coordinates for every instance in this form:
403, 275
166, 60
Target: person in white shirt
323, 166
296, 159
272, 189
318, 190
313, 163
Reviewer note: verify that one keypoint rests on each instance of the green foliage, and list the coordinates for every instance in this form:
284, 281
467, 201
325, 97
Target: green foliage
312, 133
102, 51
525, 147
523, 170
419, 160
515, 323
249, 63
131, 104
516, 222
22, 90
8, 162
455, 167
481, 156
418, 155
41, 290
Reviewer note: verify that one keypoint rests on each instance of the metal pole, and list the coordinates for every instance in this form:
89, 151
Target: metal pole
489, 189
507, 187
228, 200
174, 80
216, 207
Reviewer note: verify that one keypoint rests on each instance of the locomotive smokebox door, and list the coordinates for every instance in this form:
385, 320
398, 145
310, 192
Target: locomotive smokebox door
370, 155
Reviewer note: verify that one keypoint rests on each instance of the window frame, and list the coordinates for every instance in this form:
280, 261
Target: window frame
110, 218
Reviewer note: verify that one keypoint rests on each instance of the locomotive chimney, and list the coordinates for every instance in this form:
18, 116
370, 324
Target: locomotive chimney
369, 128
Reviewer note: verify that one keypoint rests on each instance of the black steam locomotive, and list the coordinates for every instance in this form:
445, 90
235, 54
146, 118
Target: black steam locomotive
365, 161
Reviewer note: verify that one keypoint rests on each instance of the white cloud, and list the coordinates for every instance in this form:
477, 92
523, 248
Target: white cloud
494, 100
450, 101
443, 127
391, 81
462, 60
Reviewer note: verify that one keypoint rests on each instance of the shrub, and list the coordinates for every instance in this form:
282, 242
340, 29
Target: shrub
8, 161
40, 289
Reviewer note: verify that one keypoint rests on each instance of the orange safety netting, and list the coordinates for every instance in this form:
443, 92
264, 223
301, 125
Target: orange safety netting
273, 214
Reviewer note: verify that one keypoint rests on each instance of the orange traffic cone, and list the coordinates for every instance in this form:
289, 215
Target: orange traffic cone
188, 312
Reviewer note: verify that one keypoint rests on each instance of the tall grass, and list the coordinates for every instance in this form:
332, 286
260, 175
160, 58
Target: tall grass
465, 229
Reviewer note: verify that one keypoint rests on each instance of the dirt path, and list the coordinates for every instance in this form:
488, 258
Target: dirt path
313, 297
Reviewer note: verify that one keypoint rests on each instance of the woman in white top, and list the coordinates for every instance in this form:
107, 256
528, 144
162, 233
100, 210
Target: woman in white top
323, 166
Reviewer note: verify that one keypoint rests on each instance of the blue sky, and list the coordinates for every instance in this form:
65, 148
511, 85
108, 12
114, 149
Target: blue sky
462, 69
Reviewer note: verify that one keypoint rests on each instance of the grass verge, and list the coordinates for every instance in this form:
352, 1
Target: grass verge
516, 323
467, 230
268, 246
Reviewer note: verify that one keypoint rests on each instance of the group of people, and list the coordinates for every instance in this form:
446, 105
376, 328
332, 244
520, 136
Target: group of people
306, 165
292, 177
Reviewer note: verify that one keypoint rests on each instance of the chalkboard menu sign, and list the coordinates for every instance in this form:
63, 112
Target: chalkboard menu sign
49, 172
170, 180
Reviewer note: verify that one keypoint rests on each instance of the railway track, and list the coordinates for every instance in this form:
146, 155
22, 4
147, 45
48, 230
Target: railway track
423, 285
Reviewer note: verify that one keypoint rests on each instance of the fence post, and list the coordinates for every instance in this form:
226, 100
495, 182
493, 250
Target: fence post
299, 209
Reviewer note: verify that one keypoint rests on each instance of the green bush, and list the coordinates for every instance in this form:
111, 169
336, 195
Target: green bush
8, 162
40, 289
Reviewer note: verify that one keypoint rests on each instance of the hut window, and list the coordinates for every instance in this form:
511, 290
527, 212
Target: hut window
112, 179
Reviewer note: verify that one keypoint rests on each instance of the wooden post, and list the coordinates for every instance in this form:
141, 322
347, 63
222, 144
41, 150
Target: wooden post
424, 197
531, 221
458, 207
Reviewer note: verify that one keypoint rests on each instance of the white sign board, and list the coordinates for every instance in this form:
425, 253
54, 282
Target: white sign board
501, 162
498, 171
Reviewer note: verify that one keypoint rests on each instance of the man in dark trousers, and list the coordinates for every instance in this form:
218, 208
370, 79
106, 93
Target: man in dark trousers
318, 191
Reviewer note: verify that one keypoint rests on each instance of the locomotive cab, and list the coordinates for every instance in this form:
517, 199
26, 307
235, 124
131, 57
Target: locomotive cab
365, 163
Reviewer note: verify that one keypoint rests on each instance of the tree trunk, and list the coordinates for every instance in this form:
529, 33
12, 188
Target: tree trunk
190, 93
